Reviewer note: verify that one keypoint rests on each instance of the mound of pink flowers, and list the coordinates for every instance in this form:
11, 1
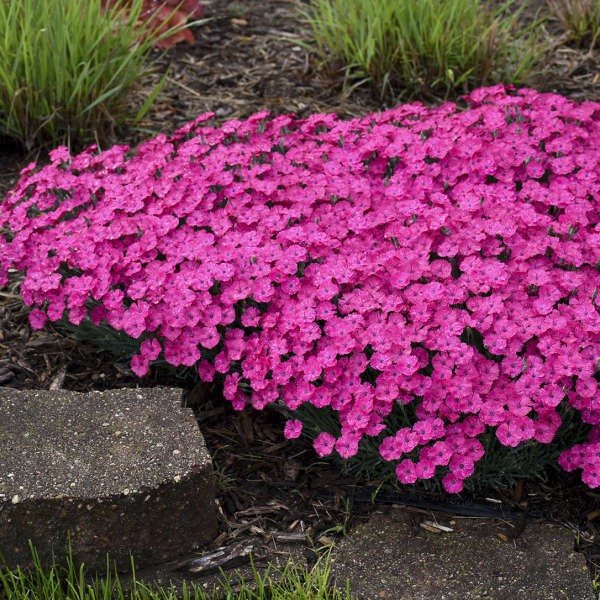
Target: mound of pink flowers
290, 256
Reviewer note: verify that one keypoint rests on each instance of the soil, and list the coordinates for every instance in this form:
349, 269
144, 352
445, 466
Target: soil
247, 58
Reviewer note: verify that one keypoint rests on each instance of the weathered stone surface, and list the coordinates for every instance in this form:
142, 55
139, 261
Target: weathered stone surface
388, 558
125, 471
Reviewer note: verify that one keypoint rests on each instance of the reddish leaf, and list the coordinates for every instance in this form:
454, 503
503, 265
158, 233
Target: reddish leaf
155, 12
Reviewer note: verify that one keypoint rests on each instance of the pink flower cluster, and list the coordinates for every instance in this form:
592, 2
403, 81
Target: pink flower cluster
292, 256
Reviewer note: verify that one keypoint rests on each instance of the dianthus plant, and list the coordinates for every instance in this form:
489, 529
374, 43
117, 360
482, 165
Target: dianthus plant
440, 256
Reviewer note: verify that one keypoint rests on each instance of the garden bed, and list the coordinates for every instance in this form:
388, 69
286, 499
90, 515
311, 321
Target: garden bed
247, 59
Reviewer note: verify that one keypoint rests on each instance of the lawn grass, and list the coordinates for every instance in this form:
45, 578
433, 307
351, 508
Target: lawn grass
70, 582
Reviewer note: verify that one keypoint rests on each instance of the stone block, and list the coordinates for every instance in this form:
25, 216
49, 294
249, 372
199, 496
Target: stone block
389, 558
121, 471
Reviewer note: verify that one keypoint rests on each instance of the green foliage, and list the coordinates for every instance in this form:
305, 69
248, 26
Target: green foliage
579, 18
500, 467
71, 583
67, 69
118, 343
103, 336
422, 47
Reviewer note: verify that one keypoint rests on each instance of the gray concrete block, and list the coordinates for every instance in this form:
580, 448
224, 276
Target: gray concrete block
124, 471
388, 558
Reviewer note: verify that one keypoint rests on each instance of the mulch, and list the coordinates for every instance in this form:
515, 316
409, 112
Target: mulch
246, 59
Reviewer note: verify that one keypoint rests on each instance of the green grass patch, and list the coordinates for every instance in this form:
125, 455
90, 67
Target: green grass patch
67, 69
422, 48
70, 582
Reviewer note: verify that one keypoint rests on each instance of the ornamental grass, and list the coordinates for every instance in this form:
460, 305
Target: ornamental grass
422, 48
68, 69
579, 18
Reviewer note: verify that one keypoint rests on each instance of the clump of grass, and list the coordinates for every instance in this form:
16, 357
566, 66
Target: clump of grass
579, 18
415, 48
71, 583
596, 581
67, 69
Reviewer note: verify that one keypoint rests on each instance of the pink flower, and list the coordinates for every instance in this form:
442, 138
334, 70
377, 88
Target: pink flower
208, 337
462, 466
58, 155
375, 426
77, 314
230, 386
321, 397
492, 412
37, 318
293, 428
424, 470
347, 445
406, 439
452, 483
406, 471
260, 400
250, 318
356, 420
134, 319
519, 405
586, 387
591, 475
139, 365
552, 395
324, 444
428, 429
239, 400
389, 449
222, 362
439, 453
508, 434
206, 371
473, 426
150, 349
473, 449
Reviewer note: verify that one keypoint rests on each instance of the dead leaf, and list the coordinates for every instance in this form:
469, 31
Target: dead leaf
429, 528
437, 526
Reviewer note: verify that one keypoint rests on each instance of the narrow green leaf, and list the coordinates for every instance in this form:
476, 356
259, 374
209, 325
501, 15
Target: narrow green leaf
148, 103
